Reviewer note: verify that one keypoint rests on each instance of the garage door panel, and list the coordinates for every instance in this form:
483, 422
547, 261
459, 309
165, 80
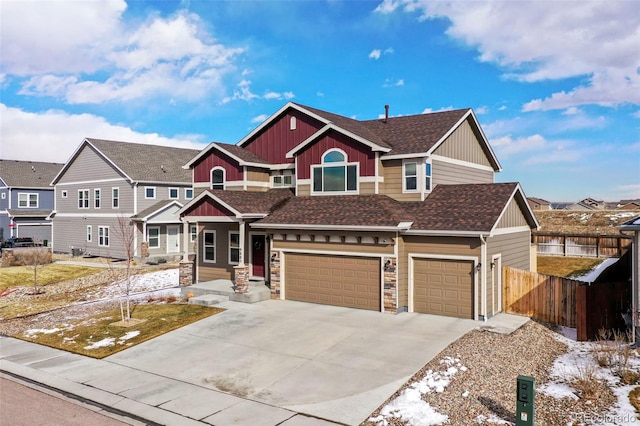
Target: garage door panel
443, 287
339, 280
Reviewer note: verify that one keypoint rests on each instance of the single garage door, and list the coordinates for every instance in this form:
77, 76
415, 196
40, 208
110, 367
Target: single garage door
443, 287
39, 233
352, 282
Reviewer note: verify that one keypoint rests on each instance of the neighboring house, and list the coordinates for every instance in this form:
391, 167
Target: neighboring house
633, 225
587, 204
106, 185
628, 205
538, 204
390, 215
26, 199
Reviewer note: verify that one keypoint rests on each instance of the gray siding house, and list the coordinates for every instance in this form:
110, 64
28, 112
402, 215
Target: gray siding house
26, 199
109, 189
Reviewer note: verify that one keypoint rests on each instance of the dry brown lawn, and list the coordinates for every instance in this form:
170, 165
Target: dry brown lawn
566, 267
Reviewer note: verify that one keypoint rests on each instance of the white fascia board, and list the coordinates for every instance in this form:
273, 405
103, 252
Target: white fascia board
517, 192
331, 126
253, 215
210, 219
183, 184
486, 141
238, 159
404, 156
166, 206
71, 159
446, 233
292, 226
198, 156
212, 197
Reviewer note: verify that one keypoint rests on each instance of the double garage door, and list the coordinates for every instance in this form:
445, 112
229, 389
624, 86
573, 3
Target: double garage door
348, 281
443, 287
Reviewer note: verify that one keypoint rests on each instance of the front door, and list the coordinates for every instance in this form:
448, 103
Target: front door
173, 239
258, 254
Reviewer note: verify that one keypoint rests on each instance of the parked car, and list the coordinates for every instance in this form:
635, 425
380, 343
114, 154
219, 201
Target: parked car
19, 242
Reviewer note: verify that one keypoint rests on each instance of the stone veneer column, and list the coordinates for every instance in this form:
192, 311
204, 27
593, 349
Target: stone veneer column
186, 273
241, 281
275, 274
390, 284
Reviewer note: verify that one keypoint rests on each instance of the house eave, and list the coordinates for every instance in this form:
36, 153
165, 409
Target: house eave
444, 233
324, 227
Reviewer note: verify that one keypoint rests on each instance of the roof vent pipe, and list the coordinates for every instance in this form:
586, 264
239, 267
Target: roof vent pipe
386, 113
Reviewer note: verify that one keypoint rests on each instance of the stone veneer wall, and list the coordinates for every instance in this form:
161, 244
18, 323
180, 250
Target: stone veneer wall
390, 284
241, 279
275, 274
186, 273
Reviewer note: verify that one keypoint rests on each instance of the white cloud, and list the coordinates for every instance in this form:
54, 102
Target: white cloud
53, 135
276, 95
390, 83
430, 110
375, 54
482, 110
532, 42
260, 118
92, 55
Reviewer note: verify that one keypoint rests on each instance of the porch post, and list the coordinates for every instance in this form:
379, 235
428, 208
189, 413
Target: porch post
242, 241
185, 240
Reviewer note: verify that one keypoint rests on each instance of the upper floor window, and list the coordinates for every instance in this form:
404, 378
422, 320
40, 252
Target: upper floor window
335, 174
410, 176
150, 192
292, 123
96, 198
217, 178
174, 193
115, 198
282, 181
83, 199
64, 194
27, 200
188, 193
427, 176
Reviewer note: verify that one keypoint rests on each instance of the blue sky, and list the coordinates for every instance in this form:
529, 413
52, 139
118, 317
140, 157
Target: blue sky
555, 84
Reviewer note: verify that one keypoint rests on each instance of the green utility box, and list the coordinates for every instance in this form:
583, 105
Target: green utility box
524, 401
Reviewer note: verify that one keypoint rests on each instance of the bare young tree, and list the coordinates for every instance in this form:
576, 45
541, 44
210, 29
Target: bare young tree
35, 258
125, 235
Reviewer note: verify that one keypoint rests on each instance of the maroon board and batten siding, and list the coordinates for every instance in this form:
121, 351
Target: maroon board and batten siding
356, 152
202, 170
274, 141
208, 208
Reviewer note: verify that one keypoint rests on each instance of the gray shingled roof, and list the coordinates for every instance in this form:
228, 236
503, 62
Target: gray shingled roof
242, 153
340, 210
153, 208
248, 202
148, 163
29, 213
28, 174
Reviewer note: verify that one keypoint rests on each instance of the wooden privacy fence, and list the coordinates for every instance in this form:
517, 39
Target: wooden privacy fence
541, 297
556, 244
570, 303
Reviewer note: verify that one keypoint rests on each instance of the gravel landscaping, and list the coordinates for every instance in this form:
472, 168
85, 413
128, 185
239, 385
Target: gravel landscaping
473, 381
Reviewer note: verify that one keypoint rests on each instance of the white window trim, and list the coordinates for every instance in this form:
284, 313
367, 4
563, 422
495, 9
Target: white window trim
28, 195
429, 188
282, 183
404, 177
86, 201
149, 236
293, 123
104, 236
344, 164
177, 193
97, 198
4, 195
64, 194
239, 248
204, 246
186, 195
117, 198
89, 237
146, 188
224, 177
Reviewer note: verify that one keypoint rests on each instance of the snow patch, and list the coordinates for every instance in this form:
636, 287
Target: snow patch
107, 341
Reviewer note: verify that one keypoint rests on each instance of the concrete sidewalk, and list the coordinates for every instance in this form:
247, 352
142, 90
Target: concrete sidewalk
272, 363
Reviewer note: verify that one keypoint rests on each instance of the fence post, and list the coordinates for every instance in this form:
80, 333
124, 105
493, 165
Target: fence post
581, 313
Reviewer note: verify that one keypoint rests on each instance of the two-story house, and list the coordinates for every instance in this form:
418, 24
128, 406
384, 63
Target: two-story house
393, 214
109, 192
26, 199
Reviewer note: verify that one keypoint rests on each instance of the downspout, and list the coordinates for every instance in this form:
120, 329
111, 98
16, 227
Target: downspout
144, 224
483, 277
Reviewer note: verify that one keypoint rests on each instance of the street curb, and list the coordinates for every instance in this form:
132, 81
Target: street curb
106, 401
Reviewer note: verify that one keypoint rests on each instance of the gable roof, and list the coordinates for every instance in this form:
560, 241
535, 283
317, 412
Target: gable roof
242, 203
28, 174
539, 200
397, 137
631, 225
473, 208
155, 209
243, 156
339, 211
140, 162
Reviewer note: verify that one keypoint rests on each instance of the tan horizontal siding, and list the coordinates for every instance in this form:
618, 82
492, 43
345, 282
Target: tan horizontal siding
256, 175
334, 247
515, 249
463, 144
513, 216
450, 174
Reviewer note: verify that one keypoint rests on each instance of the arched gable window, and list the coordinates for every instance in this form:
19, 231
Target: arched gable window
217, 178
335, 174
292, 123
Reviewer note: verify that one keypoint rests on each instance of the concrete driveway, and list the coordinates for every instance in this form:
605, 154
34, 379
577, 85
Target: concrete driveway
335, 363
